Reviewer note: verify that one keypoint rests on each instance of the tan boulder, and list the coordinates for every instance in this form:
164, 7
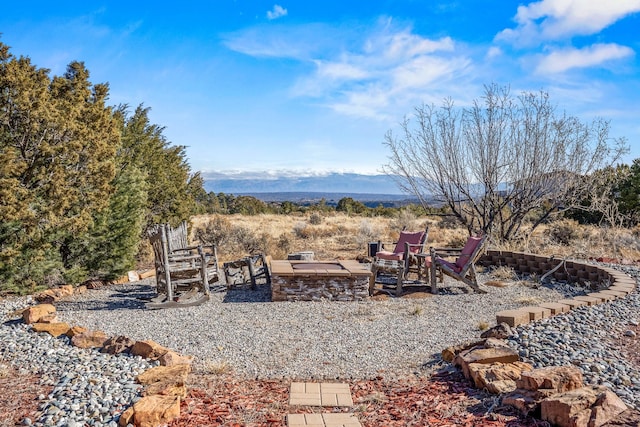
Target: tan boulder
148, 349
171, 358
54, 329
75, 330
570, 408
164, 373
166, 388
527, 401
89, 339
35, 313
152, 411
49, 318
484, 356
126, 417
607, 407
500, 331
449, 353
116, 345
497, 377
558, 378
80, 290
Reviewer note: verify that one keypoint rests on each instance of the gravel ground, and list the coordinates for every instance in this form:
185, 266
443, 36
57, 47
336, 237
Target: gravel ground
243, 331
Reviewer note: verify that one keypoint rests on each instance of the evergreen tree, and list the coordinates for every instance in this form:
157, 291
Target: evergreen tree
57, 147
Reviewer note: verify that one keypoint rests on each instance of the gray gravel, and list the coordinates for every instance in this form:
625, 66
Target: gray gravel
584, 338
257, 338
243, 331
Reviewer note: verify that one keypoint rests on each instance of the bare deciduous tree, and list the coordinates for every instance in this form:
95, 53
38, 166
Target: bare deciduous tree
500, 161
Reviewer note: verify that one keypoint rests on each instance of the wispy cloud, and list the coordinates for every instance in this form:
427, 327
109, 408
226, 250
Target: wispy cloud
565, 59
277, 12
556, 19
368, 74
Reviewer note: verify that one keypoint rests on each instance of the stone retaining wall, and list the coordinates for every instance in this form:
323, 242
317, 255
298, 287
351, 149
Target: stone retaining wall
348, 281
605, 283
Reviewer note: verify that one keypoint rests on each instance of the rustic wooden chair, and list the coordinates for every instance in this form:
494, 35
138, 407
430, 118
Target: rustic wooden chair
183, 272
463, 268
401, 260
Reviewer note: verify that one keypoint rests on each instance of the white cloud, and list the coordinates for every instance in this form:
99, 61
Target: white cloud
557, 19
566, 59
363, 72
277, 12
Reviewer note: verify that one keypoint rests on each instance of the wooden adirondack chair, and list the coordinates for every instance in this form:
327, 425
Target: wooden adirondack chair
463, 268
402, 260
183, 272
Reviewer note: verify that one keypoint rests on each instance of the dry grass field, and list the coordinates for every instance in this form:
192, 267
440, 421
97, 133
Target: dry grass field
337, 235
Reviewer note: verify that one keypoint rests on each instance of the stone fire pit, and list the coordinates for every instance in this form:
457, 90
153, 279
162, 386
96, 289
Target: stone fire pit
316, 280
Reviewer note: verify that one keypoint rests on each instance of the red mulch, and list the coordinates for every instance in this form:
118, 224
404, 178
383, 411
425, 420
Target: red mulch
441, 401
19, 396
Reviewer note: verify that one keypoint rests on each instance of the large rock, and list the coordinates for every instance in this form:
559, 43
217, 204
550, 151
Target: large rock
570, 408
35, 313
54, 329
117, 345
607, 407
76, 330
583, 407
148, 349
500, 331
54, 294
166, 388
89, 339
527, 401
558, 378
449, 353
484, 356
153, 411
171, 358
164, 373
497, 378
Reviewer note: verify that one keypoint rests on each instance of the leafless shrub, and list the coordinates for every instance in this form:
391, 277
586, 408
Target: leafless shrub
315, 218
564, 231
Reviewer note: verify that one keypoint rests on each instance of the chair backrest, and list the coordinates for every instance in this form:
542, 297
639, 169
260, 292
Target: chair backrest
176, 237
415, 240
470, 251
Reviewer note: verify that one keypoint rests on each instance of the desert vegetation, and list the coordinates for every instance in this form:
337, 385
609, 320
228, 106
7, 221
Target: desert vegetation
81, 181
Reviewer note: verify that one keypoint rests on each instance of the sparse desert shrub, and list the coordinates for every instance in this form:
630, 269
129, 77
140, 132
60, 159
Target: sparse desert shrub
483, 326
504, 273
216, 367
404, 219
315, 218
456, 241
284, 244
450, 222
301, 230
564, 231
366, 233
248, 241
216, 231
417, 311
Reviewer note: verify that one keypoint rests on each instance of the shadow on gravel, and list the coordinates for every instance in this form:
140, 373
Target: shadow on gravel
129, 298
246, 294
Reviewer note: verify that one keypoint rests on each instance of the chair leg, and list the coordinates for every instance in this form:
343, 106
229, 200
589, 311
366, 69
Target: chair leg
433, 279
401, 273
372, 279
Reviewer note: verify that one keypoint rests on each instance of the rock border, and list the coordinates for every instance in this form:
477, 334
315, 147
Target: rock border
606, 283
163, 386
556, 394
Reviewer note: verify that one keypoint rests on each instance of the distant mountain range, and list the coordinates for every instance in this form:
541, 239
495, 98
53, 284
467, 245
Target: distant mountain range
342, 183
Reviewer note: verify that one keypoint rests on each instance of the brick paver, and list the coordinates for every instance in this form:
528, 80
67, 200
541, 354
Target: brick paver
320, 394
322, 420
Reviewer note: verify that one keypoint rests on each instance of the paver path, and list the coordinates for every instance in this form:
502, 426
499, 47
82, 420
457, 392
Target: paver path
321, 394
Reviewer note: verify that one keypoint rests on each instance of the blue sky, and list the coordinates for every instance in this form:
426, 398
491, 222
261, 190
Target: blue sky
311, 87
